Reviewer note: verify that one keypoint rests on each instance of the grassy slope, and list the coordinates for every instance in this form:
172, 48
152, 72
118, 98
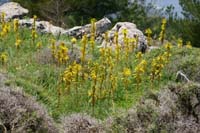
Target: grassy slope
41, 80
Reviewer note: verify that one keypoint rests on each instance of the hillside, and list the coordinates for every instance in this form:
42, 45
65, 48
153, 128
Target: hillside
70, 84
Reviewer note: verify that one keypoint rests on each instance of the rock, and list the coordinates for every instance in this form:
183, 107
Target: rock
42, 26
76, 31
13, 10
150, 48
180, 76
132, 33
101, 26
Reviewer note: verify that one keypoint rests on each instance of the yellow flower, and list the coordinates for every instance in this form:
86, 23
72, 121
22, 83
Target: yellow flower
148, 31
93, 75
3, 57
124, 31
188, 45
139, 55
164, 21
34, 34
126, 72
168, 46
73, 40
180, 42
39, 45
18, 43
16, 25
3, 17
35, 17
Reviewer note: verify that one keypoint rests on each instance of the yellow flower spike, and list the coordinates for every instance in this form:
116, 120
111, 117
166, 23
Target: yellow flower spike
16, 25
148, 31
143, 62
34, 35
188, 45
164, 21
124, 31
127, 72
106, 38
39, 45
83, 49
180, 43
139, 55
139, 71
168, 46
35, 17
93, 28
116, 39
3, 15
18, 43
3, 58
73, 40
163, 28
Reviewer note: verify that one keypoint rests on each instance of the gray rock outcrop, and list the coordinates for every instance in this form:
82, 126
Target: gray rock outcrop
42, 26
13, 10
101, 26
132, 32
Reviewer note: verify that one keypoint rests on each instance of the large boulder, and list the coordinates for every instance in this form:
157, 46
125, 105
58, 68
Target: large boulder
13, 10
42, 26
101, 26
132, 32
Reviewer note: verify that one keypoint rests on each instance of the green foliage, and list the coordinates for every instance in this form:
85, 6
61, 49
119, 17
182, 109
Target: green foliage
67, 13
191, 23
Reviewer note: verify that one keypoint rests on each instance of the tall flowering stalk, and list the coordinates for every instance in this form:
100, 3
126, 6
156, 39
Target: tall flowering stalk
68, 77
188, 45
16, 25
126, 75
180, 43
126, 44
139, 56
34, 32
148, 32
39, 45
3, 58
163, 30
93, 33
157, 66
92, 93
73, 42
117, 47
18, 41
133, 43
5, 27
168, 47
106, 39
139, 71
83, 49
62, 54
53, 48
3, 15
